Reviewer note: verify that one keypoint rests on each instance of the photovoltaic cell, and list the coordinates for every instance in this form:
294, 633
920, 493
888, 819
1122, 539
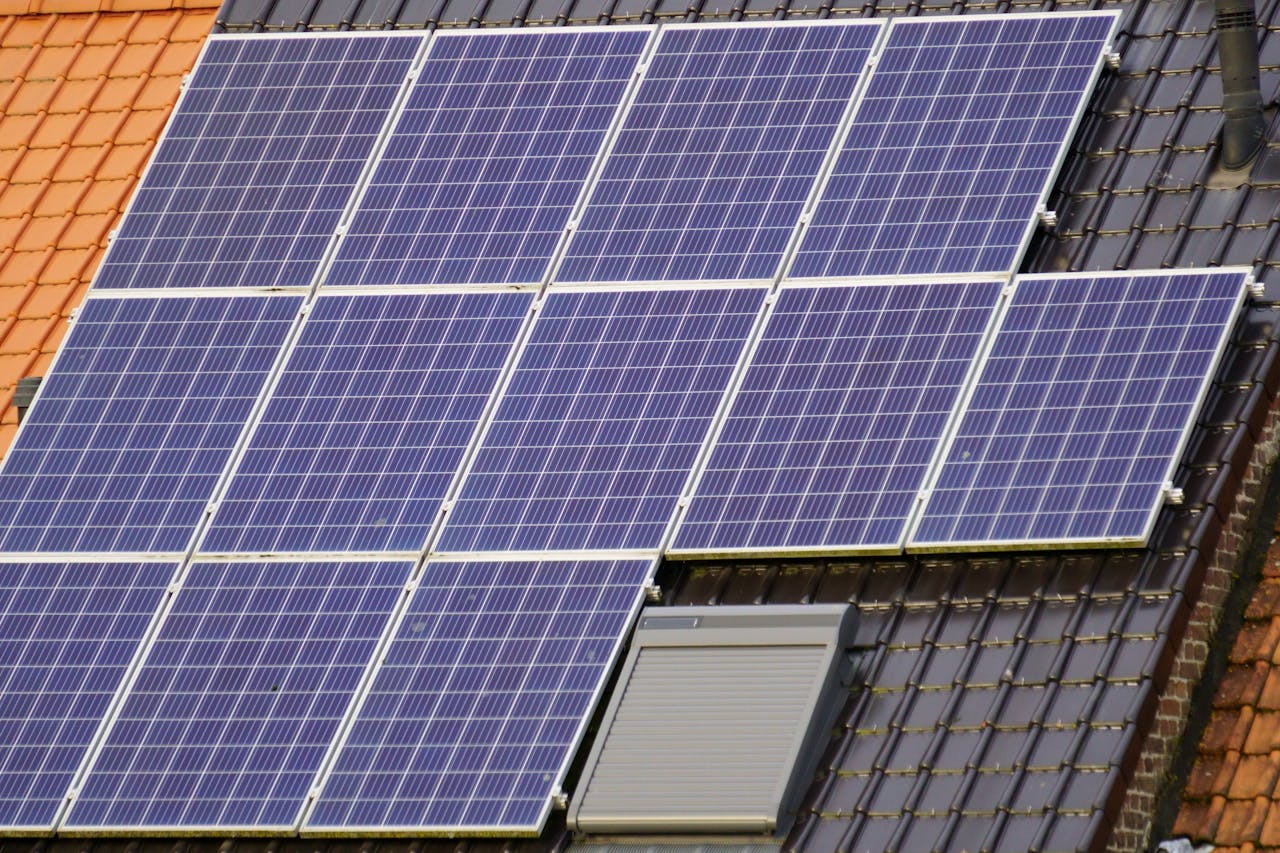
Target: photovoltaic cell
475, 712
368, 423
719, 152
953, 145
68, 632
132, 428
489, 157
828, 440
1081, 408
240, 697
259, 161
606, 410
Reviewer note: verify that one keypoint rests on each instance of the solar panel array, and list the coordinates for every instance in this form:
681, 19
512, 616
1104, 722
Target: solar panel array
259, 162
485, 691
830, 436
368, 422
231, 715
365, 554
599, 428
1081, 409
489, 157
718, 153
952, 146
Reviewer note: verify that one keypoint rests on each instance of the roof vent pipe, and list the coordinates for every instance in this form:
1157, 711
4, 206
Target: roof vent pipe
1243, 129
24, 393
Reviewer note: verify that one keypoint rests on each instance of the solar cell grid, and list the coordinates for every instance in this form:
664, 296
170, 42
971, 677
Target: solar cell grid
68, 632
605, 412
718, 153
259, 161
483, 694
1080, 411
828, 440
489, 157
368, 423
136, 421
240, 697
953, 145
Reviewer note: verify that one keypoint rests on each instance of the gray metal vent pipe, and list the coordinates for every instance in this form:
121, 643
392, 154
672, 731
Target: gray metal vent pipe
1243, 128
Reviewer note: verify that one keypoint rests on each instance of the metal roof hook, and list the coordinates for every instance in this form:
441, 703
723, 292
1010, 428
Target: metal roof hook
1243, 128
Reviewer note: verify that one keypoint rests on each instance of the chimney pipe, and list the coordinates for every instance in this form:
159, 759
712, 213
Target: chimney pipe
24, 393
1243, 128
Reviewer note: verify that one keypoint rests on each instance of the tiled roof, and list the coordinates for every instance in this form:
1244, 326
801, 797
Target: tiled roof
1232, 797
85, 89
1005, 701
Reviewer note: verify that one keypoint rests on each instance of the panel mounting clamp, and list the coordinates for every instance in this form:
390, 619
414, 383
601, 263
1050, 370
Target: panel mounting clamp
1048, 218
1112, 57
1173, 496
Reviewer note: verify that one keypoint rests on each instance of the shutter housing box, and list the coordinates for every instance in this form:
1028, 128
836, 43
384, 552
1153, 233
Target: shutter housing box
717, 720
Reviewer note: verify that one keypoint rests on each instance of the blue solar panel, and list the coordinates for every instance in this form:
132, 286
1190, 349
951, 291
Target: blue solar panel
608, 406
368, 423
133, 426
953, 145
1081, 409
259, 161
475, 712
68, 632
241, 696
489, 157
719, 152
844, 403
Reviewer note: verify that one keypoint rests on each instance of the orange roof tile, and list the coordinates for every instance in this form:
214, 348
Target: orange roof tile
1233, 794
123, 161
93, 61
32, 96
50, 62
86, 87
55, 130
17, 130
27, 32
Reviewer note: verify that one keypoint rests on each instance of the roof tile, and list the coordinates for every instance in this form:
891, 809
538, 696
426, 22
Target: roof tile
59, 198
41, 232
154, 27
1242, 820
55, 130
110, 29
100, 128
67, 30
31, 96
25, 32
74, 96
1254, 776
105, 196
47, 301
116, 93
79, 164
86, 231
93, 61
136, 60
123, 161
20, 269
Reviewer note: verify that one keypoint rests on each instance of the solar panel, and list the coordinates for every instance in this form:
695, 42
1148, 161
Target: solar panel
489, 157
953, 145
368, 423
845, 400
240, 697
134, 424
719, 152
68, 632
483, 694
606, 410
259, 161
1081, 409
